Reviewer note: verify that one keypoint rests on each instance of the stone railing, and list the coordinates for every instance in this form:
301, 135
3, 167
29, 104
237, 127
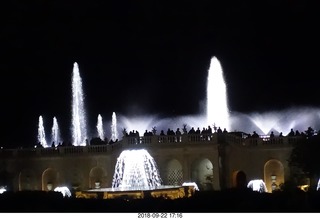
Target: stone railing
147, 141
262, 140
61, 151
171, 139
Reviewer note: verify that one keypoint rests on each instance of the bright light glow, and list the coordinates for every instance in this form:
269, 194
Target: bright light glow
217, 103
278, 121
2, 190
78, 113
114, 131
195, 186
305, 188
41, 133
318, 185
55, 132
100, 128
138, 123
265, 121
257, 185
64, 190
136, 169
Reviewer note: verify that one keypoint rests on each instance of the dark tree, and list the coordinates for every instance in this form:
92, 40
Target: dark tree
305, 155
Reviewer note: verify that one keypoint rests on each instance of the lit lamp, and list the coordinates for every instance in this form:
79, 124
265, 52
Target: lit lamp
49, 186
97, 185
273, 182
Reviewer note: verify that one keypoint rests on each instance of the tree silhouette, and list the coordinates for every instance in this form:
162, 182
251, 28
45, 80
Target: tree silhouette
305, 155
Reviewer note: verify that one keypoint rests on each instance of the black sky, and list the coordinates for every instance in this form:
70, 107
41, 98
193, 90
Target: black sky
152, 57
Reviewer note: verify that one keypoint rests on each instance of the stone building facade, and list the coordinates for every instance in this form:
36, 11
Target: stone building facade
214, 162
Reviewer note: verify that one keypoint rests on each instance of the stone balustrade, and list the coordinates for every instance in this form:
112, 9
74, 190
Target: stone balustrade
147, 141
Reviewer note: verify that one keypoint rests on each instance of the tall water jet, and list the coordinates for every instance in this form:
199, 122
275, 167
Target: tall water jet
41, 133
55, 132
114, 132
100, 128
79, 128
217, 102
136, 169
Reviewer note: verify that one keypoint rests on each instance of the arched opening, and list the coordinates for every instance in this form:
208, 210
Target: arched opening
27, 180
273, 174
97, 178
173, 174
239, 179
202, 174
74, 178
50, 179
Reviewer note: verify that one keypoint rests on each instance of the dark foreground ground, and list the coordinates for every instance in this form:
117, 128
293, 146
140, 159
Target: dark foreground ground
213, 202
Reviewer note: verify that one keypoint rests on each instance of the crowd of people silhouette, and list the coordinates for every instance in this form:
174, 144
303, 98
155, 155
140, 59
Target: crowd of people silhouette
205, 134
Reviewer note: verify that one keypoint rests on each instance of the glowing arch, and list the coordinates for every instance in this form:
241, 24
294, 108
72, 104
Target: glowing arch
50, 179
273, 171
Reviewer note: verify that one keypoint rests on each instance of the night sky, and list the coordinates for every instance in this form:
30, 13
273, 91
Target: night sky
151, 57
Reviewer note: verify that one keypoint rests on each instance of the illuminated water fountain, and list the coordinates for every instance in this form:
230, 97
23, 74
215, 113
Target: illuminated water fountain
297, 118
100, 127
136, 169
257, 185
63, 190
217, 100
41, 133
79, 127
216, 113
136, 175
114, 131
55, 132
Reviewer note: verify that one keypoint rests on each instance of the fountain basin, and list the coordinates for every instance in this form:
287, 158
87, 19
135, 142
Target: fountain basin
164, 191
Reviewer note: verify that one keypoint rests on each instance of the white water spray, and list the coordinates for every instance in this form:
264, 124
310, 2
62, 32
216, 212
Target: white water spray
55, 132
78, 113
257, 185
136, 169
114, 132
217, 112
41, 133
217, 103
100, 128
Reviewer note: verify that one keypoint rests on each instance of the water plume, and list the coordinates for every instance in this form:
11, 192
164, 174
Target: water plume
100, 127
41, 133
79, 128
55, 132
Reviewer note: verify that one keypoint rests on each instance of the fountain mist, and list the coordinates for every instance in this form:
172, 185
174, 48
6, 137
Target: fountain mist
217, 112
78, 113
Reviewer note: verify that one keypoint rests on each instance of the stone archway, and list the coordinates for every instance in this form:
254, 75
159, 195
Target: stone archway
74, 178
27, 180
173, 173
239, 179
273, 174
202, 173
50, 179
97, 177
